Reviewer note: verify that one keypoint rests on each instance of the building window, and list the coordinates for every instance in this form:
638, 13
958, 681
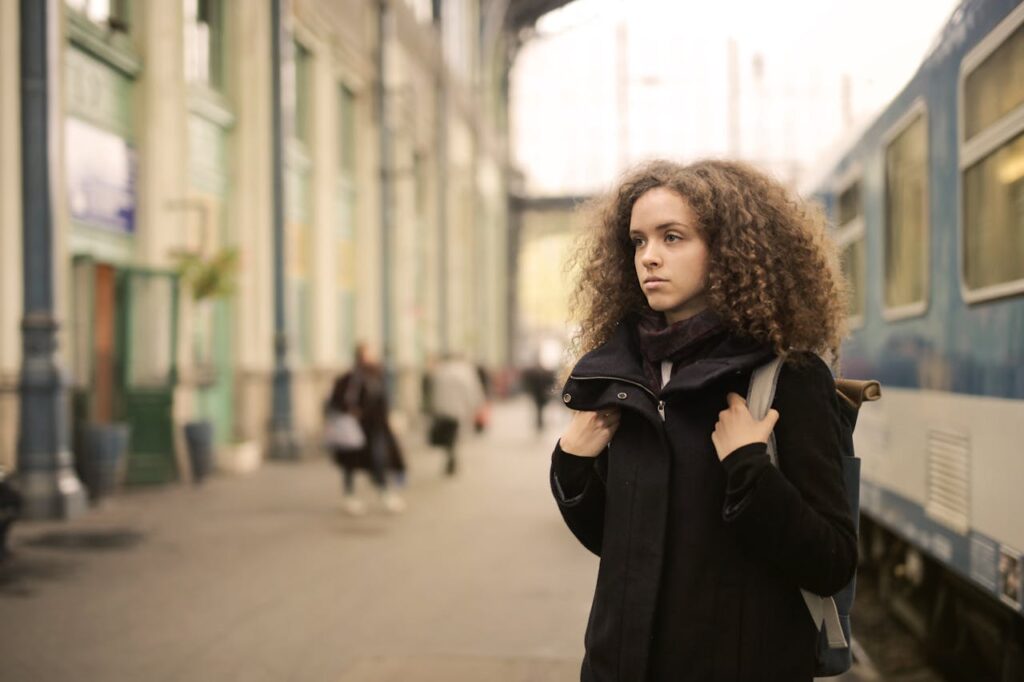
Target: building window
906, 217
110, 13
346, 196
347, 132
456, 33
204, 58
850, 237
992, 163
302, 92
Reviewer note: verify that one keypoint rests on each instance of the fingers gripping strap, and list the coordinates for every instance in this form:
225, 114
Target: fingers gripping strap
761, 394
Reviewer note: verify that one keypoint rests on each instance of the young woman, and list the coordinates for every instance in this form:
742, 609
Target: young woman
692, 277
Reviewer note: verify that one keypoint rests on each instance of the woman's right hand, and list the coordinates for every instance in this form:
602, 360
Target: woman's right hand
589, 432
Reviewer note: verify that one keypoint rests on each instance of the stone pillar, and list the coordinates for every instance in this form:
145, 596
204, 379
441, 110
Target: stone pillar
10, 234
248, 70
162, 133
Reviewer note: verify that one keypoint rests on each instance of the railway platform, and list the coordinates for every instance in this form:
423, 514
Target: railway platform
263, 577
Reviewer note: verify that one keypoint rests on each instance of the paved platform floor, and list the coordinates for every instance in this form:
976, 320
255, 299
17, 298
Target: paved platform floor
263, 577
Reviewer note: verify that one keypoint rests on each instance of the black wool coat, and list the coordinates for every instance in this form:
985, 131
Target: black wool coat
701, 559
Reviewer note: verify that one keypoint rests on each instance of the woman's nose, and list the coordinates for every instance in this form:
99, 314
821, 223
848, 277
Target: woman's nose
650, 257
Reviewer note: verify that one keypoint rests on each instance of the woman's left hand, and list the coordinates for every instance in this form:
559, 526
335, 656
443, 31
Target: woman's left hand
736, 427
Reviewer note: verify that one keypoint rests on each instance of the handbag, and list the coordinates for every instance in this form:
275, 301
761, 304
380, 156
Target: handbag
343, 432
442, 431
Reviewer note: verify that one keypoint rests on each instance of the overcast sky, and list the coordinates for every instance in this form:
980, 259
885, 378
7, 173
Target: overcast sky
607, 82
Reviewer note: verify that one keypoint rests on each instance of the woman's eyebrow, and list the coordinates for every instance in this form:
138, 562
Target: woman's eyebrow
663, 226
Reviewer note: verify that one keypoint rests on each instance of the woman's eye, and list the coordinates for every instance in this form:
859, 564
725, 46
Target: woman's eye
637, 242
672, 238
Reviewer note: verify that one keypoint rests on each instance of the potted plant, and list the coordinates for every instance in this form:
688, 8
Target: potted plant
207, 279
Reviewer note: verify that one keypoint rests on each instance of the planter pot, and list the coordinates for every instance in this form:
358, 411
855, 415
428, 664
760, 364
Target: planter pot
199, 439
10, 508
101, 456
239, 458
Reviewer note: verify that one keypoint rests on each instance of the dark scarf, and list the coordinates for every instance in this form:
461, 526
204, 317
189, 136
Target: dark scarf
680, 342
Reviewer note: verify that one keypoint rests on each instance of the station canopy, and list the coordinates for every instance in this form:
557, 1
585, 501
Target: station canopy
522, 14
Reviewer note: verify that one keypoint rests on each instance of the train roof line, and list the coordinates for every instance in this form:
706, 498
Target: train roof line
827, 161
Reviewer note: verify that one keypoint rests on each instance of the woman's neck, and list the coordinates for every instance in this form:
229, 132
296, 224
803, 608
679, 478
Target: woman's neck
680, 314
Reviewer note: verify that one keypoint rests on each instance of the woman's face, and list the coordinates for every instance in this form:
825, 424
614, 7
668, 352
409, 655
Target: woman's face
670, 256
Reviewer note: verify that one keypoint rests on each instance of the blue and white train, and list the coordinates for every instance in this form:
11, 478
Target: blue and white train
928, 206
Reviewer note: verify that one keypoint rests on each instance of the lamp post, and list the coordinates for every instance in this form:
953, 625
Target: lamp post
282, 438
384, 20
45, 476
441, 135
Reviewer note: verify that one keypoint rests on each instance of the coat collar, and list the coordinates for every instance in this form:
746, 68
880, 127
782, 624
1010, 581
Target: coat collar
619, 358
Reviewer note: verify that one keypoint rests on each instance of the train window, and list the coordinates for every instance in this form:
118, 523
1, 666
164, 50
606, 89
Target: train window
906, 218
849, 204
850, 237
853, 261
996, 86
994, 217
992, 163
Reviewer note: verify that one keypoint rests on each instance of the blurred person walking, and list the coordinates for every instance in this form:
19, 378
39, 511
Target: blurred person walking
691, 277
457, 396
538, 381
482, 417
362, 393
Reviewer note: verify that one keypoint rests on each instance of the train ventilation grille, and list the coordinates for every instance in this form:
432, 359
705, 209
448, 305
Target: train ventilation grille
949, 479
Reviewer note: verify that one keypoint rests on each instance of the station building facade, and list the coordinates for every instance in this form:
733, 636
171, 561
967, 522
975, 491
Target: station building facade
396, 212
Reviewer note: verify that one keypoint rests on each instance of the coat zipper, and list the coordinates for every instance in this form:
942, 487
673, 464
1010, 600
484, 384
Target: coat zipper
661, 403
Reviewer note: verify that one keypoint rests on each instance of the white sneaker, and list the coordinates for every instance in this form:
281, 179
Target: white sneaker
392, 503
353, 506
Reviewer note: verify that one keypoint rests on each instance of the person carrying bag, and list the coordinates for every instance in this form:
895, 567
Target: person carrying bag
341, 428
357, 432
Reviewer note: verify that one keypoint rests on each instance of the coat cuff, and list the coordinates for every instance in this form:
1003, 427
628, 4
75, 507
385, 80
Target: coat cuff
570, 474
743, 468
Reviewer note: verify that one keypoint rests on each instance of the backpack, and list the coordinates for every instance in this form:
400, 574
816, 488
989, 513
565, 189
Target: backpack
831, 614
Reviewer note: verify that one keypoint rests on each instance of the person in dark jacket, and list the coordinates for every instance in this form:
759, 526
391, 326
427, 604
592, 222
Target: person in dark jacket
692, 277
362, 393
539, 383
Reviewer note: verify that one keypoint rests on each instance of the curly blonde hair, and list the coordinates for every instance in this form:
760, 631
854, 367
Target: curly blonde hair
773, 272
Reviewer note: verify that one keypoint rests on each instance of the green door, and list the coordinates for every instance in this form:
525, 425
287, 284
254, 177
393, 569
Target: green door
147, 331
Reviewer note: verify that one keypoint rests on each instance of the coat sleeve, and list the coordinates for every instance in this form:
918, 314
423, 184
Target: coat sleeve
580, 493
336, 400
797, 516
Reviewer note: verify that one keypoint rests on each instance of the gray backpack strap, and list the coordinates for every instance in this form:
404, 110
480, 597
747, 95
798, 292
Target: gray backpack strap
763, 382
761, 394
